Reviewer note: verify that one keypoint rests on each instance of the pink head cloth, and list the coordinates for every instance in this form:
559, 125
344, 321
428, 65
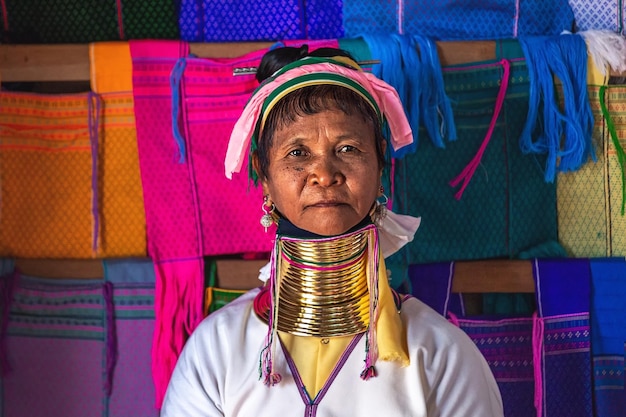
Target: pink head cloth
385, 95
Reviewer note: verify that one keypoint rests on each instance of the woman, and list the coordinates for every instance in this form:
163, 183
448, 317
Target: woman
326, 335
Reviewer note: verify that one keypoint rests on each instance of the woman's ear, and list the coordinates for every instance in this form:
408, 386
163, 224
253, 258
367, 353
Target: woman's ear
383, 149
255, 166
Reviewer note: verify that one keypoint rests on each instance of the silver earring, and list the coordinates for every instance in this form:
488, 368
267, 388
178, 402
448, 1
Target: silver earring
267, 220
380, 211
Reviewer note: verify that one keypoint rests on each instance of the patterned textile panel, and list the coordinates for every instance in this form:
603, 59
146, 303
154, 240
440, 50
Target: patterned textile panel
47, 175
505, 342
74, 206
123, 220
590, 200
69, 21
247, 20
449, 19
616, 106
608, 308
563, 299
507, 206
598, 14
133, 282
56, 337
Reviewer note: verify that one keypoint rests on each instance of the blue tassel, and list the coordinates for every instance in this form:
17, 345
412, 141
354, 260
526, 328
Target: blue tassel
564, 133
384, 48
175, 78
436, 110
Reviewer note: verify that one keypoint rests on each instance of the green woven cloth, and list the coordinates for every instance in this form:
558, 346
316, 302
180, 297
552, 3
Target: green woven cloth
507, 207
80, 21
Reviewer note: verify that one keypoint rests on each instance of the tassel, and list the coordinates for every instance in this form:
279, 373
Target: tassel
175, 85
266, 361
391, 52
538, 331
565, 136
436, 110
369, 372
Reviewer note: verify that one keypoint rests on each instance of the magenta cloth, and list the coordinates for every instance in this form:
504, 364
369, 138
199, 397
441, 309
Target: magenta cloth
178, 310
191, 208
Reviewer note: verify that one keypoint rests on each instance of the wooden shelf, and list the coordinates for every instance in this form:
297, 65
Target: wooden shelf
488, 276
70, 62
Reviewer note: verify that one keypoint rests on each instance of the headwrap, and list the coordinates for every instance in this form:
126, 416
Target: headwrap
340, 71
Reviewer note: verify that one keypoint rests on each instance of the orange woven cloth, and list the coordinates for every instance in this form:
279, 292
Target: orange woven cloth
111, 67
123, 219
46, 170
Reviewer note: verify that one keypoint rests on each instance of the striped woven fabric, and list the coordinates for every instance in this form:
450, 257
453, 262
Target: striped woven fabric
48, 160
133, 282
57, 336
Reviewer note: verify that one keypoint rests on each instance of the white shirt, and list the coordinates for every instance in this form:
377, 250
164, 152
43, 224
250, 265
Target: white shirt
217, 373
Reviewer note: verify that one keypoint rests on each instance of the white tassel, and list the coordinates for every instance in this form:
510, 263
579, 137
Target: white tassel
607, 49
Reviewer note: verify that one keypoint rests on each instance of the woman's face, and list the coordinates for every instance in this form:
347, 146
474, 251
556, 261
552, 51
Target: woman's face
323, 172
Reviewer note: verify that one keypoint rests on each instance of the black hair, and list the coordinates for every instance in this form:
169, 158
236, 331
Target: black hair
310, 100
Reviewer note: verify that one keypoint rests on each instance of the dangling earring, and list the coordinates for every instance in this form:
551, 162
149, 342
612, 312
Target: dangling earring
380, 208
267, 220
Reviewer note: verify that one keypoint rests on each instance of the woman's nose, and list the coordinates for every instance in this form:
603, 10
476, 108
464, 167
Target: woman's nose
325, 171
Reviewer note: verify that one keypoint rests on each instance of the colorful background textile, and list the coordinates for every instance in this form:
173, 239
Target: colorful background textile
267, 20
57, 337
563, 291
590, 199
448, 19
505, 342
69, 21
133, 284
608, 333
507, 206
48, 154
598, 14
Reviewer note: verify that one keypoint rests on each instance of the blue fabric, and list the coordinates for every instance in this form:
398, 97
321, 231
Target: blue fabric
451, 19
129, 270
608, 310
430, 284
563, 290
564, 286
506, 343
249, 20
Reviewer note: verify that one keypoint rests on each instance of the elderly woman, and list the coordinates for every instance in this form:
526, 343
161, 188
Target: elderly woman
326, 335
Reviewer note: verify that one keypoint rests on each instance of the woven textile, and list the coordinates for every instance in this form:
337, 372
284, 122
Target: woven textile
608, 308
122, 219
133, 283
563, 290
48, 175
505, 342
448, 19
591, 223
268, 20
67, 21
598, 14
541, 362
57, 336
507, 206
70, 176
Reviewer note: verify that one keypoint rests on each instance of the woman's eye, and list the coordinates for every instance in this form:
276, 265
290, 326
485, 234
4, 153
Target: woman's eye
347, 148
297, 152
